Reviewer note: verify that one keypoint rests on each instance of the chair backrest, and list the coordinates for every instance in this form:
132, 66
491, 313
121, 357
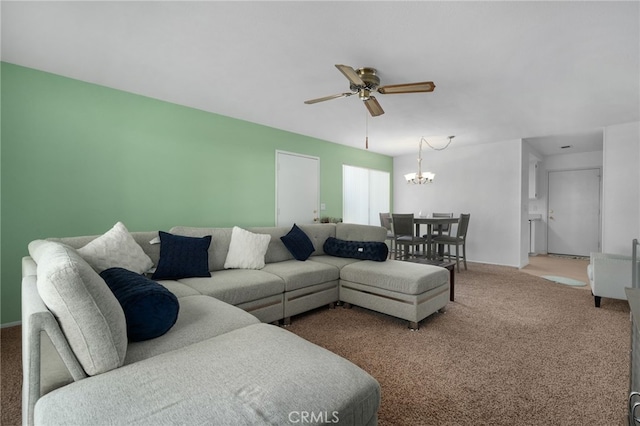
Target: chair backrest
385, 220
463, 225
402, 224
446, 228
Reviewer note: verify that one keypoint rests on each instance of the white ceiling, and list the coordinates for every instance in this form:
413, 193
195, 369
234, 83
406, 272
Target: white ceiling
503, 70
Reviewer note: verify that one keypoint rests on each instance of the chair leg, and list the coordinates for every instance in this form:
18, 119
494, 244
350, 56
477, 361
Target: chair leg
596, 300
464, 255
457, 258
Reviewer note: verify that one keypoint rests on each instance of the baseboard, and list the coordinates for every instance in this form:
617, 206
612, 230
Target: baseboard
11, 324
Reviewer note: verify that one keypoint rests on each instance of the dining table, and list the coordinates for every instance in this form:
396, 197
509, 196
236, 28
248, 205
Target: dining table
437, 223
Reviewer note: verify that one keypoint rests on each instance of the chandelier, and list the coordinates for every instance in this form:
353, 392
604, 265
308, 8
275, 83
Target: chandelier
426, 177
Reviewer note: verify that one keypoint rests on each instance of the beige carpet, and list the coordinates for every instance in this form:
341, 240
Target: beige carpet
513, 349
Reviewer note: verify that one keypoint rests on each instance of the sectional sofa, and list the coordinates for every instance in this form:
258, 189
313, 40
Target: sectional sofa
221, 359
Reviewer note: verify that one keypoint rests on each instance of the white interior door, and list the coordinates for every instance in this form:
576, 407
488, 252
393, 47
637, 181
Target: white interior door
573, 224
297, 188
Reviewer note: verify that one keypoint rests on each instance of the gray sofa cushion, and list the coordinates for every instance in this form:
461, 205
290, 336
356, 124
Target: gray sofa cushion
88, 312
318, 233
258, 374
200, 318
355, 232
236, 286
178, 288
298, 274
338, 262
403, 277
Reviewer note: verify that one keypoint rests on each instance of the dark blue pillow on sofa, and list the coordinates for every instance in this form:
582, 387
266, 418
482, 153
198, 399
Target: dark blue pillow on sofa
182, 257
298, 243
149, 309
364, 250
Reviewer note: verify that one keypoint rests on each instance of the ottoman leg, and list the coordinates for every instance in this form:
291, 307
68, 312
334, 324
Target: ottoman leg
414, 325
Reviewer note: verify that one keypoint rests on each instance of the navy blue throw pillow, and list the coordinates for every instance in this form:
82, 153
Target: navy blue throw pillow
298, 243
364, 250
149, 309
182, 257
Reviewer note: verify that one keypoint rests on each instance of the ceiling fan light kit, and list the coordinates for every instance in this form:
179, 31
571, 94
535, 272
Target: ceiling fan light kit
365, 80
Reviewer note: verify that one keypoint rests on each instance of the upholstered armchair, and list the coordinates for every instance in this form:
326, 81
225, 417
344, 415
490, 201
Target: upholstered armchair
609, 274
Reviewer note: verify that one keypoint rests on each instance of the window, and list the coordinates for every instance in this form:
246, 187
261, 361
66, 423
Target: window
365, 194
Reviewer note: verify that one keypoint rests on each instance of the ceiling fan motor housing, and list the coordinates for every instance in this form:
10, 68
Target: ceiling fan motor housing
370, 79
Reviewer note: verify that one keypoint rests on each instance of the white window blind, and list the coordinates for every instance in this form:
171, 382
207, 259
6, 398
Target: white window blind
365, 193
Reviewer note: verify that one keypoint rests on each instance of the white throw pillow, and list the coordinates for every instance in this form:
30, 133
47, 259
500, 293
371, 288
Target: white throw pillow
116, 248
246, 250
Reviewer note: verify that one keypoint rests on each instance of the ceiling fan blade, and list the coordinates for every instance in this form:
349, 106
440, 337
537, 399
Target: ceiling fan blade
425, 86
328, 98
373, 106
351, 75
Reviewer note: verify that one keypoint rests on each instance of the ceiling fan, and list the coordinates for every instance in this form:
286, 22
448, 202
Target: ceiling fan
363, 81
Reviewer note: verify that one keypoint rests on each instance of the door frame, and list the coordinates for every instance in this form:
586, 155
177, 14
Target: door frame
599, 169
295, 154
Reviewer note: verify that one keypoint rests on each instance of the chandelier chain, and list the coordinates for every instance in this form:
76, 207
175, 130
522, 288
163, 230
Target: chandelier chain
433, 147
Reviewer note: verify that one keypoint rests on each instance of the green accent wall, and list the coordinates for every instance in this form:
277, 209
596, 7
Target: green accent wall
78, 157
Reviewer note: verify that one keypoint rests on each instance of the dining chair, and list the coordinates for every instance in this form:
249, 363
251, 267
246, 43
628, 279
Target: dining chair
385, 222
405, 238
460, 239
446, 230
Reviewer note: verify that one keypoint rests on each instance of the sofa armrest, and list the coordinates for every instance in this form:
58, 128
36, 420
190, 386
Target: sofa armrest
38, 326
611, 273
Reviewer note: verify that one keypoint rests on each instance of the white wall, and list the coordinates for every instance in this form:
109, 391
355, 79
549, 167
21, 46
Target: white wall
483, 180
525, 162
621, 187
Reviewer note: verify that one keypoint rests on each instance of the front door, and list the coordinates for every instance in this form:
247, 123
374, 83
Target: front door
573, 224
297, 188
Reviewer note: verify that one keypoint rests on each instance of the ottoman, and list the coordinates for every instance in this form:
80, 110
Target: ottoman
410, 291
